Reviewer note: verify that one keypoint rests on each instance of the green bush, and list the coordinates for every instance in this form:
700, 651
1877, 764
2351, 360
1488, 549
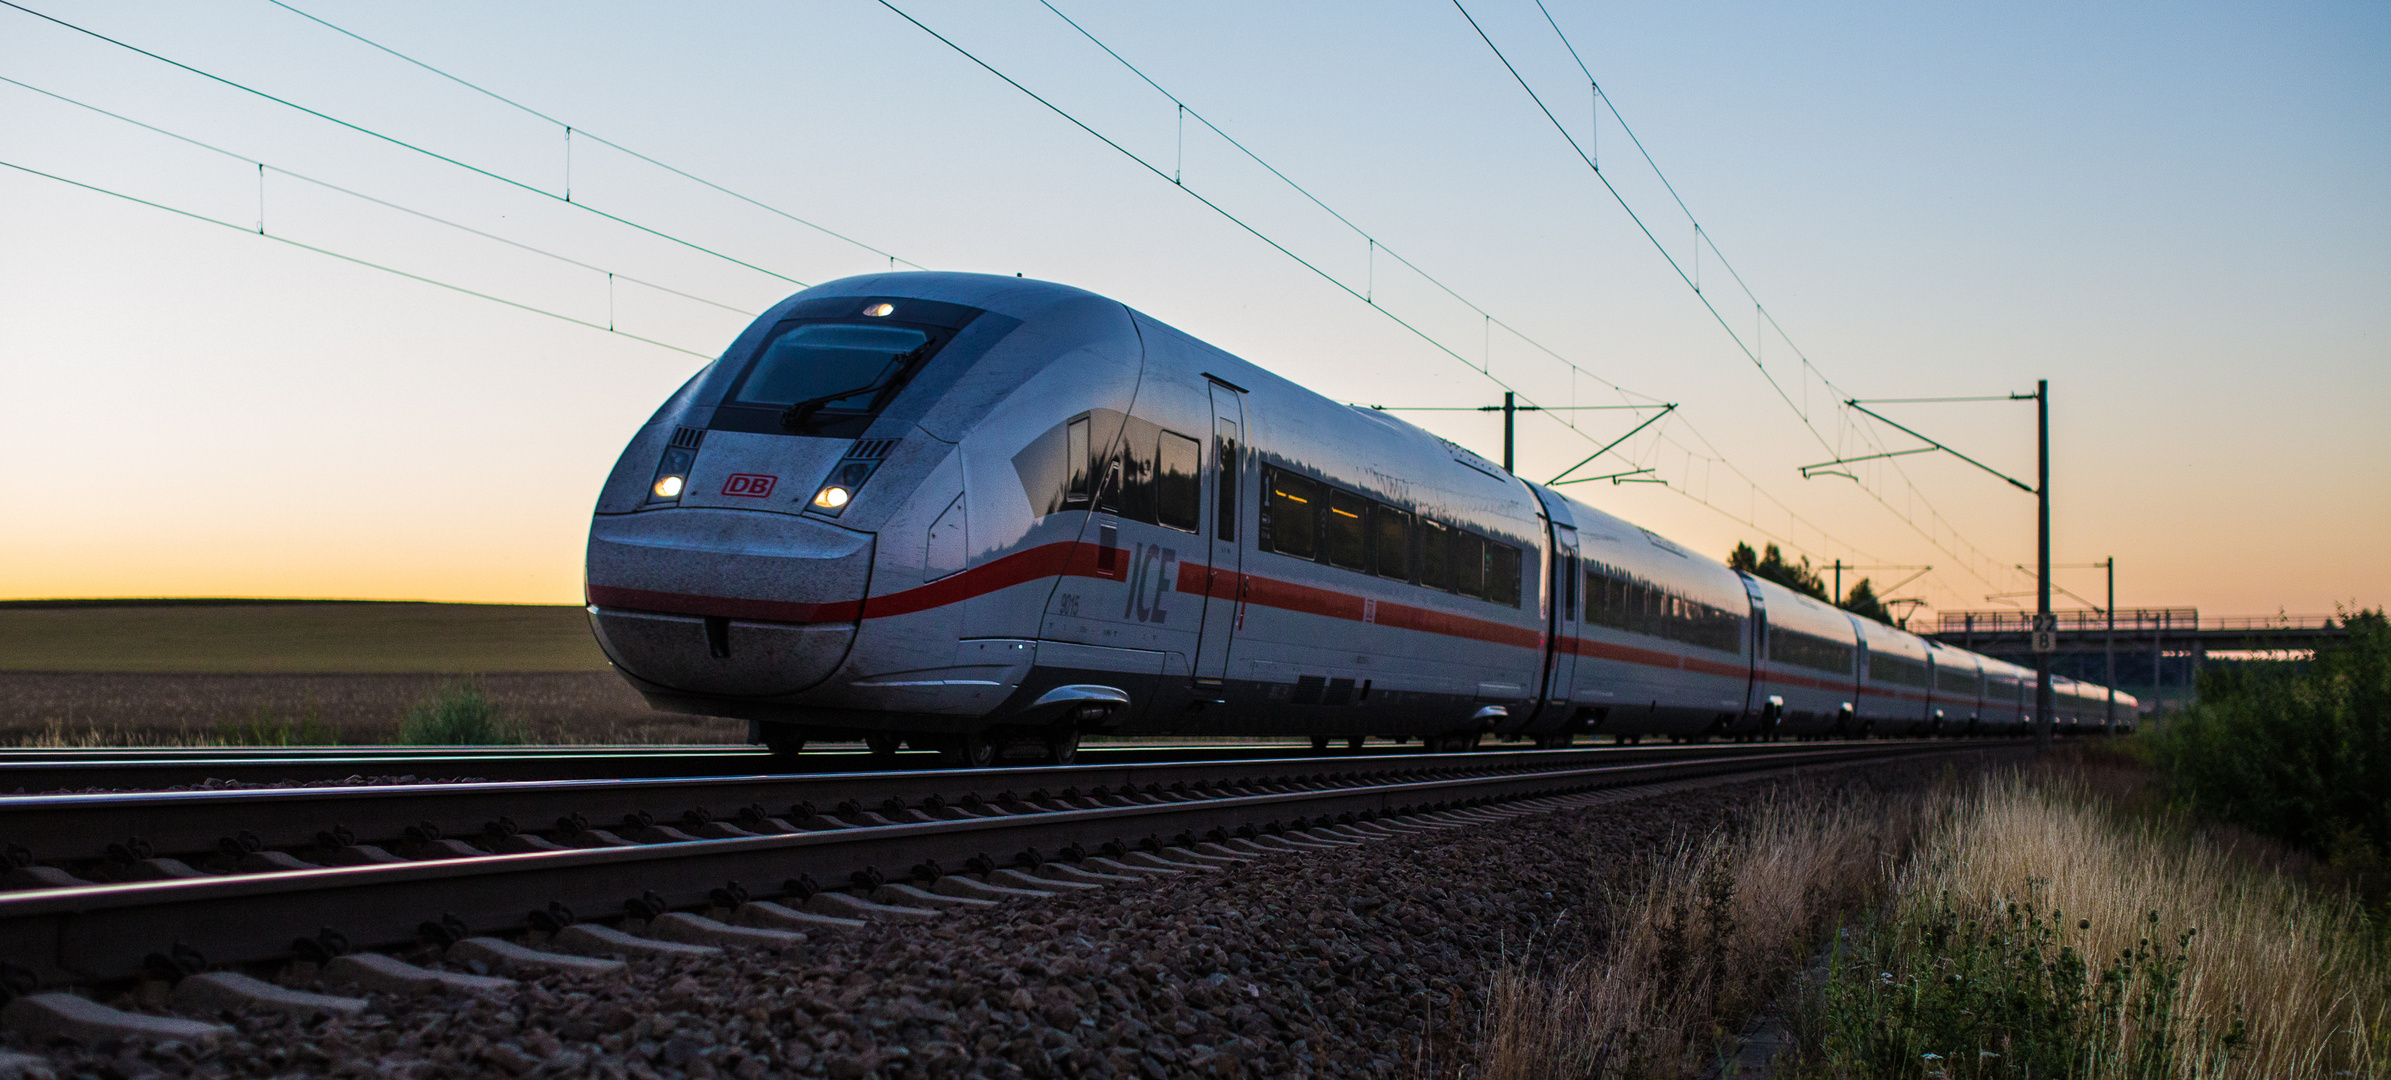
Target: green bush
459, 714
1946, 992
2295, 750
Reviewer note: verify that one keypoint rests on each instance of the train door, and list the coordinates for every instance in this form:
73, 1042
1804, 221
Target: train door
1861, 724
1223, 572
1757, 701
1560, 652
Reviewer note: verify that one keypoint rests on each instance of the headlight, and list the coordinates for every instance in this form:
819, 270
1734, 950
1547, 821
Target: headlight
839, 488
672, 473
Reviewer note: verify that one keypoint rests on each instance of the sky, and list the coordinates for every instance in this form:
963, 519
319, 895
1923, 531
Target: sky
2179, 214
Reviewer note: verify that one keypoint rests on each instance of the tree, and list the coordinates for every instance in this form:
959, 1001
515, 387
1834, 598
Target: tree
1771, 566
1863, 602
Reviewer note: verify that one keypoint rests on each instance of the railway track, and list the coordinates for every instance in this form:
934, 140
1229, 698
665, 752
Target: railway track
891, 846
33, 771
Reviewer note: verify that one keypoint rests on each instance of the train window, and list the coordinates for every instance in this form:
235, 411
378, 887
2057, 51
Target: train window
1436, 556
1224, 455
1502, 574
1898, 670
1140, 441
1348, 530
1469, 564
1291, 515
1613, 600
1955, 680
1809, 650
1392, 528
1077, 468
1108, 484
817, 368
1605, 604
1178, 495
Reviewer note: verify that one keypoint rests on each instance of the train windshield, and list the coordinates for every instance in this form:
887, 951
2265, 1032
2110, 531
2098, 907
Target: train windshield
839, 367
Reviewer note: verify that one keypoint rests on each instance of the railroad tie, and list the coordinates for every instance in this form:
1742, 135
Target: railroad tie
214, 992
772, 916
591, 939
688, 929
390, 975
849, 906
899, 894
1019, 879
1083, 874
958, 885
39, 1018
497, 954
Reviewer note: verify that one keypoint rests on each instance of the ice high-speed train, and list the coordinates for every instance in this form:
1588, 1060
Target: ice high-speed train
981, 514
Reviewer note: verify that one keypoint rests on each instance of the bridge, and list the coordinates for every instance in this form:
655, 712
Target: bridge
2156, 651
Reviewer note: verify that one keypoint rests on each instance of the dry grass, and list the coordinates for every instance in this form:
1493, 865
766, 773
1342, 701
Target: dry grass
109, 709
294, 637
1717, 925
2300, 968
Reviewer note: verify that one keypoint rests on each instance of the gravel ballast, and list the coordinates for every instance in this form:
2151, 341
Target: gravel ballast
1361, 961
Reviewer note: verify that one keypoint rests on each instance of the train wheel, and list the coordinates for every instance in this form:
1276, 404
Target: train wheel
1063, 747
783, 741
882, 744
969, 751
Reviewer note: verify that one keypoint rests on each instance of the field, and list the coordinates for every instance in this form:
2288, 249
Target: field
102, 673
189, 637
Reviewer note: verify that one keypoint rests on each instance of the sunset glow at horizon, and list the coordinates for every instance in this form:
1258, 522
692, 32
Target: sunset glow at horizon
2181, 217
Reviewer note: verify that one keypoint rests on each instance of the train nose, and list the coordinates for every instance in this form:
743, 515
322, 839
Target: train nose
731, 602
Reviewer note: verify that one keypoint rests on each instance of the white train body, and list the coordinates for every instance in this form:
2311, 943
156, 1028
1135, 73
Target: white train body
934, 506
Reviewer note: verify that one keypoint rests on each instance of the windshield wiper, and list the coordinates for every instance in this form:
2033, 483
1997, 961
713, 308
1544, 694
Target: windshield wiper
795, 416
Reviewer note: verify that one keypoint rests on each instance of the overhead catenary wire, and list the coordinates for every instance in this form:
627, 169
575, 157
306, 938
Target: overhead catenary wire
1692, 281
403, 144
1374, 245
1406, 324
1179, 182
353, 259
263, 167
1224, 212
1761, 311
573, 131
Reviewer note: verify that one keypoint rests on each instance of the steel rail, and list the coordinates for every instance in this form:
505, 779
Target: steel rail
70, 827
106, 931
59, 770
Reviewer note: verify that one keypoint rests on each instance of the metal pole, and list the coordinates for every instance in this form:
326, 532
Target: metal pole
2110, 647
2042, 588
1510, 409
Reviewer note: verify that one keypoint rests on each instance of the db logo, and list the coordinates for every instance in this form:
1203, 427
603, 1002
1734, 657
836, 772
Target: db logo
751, 485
